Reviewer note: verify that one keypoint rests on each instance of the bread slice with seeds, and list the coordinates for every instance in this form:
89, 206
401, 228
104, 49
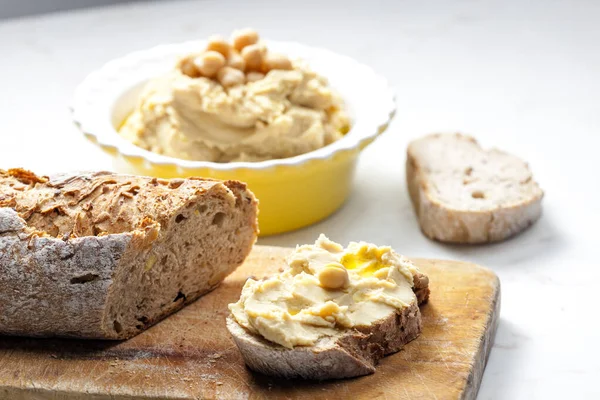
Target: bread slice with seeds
462, 193
105, 256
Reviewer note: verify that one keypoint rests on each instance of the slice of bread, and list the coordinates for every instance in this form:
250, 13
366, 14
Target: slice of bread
354, 352
462, 193
105, 256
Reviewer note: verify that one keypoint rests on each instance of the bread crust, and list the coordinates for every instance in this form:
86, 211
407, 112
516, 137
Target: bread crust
99, 270
443, 222
353, 353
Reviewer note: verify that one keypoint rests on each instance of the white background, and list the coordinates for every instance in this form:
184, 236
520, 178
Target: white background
523, 76
17, 8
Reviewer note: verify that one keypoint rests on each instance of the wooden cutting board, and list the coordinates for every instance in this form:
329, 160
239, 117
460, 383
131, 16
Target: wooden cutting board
191, 356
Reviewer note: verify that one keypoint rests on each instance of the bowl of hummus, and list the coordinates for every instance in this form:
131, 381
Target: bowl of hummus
289, 120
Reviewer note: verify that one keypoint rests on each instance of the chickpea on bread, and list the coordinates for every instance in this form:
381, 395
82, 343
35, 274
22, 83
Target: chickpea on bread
105, 256
462, 193
331, 313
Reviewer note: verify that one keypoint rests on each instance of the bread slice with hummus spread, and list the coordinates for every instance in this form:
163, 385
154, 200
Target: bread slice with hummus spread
332, 313
462, 193
105, 256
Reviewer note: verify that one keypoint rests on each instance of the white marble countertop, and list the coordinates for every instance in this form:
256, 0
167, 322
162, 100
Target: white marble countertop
522, 76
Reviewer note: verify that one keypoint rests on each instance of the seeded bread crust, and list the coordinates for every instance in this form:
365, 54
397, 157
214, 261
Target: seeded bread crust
462, 193
354, 352
105, 256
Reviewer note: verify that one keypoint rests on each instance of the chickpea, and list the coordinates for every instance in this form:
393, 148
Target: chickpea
219, 44
276, 61
209, 63
229, 76
333, 276
235, 60
188, 68
253, 56
243, 38
254, 76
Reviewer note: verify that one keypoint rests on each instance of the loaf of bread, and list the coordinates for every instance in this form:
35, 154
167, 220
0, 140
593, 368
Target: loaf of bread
105, 256
462, 193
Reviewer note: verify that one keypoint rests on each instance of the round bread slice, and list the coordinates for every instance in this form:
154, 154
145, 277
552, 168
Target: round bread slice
354, 352
105, 256
462, 193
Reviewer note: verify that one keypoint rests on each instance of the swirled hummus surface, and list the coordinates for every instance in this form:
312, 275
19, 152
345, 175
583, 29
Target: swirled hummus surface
326, 289
284, 113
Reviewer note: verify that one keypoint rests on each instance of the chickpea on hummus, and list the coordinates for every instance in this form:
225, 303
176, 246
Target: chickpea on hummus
236, 102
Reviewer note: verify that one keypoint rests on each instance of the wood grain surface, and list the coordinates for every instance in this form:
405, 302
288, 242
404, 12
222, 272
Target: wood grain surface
191, 356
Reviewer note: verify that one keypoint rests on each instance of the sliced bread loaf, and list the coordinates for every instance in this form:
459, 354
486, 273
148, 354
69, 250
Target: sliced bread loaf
462, 193
105, 256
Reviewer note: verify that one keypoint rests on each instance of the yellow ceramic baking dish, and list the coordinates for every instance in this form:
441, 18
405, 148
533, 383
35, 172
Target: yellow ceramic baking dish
293, 192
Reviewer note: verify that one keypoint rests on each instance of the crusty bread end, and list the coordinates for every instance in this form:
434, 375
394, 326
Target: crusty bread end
105, 256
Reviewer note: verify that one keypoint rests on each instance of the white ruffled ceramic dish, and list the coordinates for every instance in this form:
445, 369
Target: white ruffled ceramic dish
293, 192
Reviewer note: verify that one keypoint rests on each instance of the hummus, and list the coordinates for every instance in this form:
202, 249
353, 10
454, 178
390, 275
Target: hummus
284, 114
325, 290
